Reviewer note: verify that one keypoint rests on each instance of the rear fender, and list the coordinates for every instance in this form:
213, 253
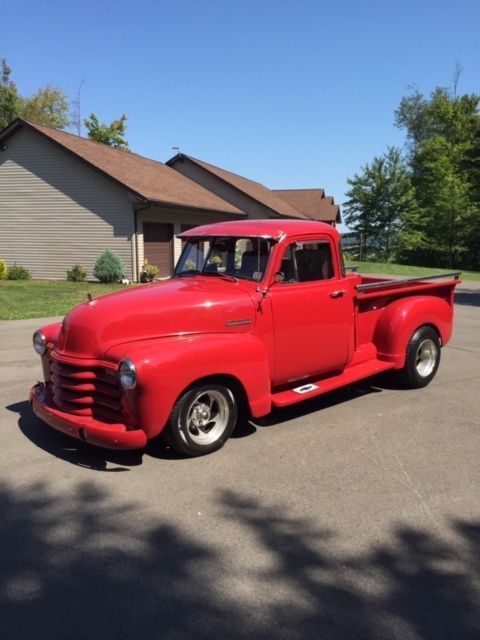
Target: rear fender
168, 366
401, 318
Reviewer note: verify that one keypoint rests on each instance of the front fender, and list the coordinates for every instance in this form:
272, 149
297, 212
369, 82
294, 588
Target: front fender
167, 366
51, 333
401, 318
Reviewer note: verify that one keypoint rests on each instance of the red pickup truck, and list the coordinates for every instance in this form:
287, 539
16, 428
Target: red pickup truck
258, 314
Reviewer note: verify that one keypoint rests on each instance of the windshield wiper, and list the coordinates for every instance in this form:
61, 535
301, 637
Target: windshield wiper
227, 276
190, 272
194, 272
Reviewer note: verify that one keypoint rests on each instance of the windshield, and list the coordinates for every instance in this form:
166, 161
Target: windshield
245, 258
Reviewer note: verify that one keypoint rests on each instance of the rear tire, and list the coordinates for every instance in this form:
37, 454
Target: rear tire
422, 358
202, 419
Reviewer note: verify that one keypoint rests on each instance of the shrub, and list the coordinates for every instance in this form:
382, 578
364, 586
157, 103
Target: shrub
149, 271
3, 270
76, 274
108, 267
18, 273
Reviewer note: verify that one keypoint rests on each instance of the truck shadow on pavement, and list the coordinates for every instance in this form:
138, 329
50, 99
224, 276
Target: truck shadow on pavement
84, 564
376, 384
97, 459
82, 454
470, 297
69, 449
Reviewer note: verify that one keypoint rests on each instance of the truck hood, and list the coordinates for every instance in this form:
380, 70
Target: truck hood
175, 307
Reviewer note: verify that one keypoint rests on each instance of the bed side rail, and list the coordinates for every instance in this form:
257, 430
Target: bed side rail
371, 286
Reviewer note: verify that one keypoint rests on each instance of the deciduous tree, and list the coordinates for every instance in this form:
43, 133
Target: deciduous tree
48, 106
112, 134
10, 101
442, 134
378, 199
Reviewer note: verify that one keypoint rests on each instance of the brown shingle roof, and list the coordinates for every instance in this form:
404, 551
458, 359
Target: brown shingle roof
151, 180
313, 203
255, 190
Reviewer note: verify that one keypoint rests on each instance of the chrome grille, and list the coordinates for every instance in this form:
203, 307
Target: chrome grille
86, 391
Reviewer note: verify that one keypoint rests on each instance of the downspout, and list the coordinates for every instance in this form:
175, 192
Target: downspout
135, 246
136, 266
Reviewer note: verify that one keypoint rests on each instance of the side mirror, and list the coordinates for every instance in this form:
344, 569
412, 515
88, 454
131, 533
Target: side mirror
279, 276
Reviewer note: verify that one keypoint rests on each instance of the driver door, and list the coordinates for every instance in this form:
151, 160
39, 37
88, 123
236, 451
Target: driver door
312, 313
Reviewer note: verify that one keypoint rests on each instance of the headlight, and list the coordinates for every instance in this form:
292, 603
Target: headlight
127, 374
39, 343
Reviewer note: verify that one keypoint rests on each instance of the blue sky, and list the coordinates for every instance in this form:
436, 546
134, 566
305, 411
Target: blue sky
292, 94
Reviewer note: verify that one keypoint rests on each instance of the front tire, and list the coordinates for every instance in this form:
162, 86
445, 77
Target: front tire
202, 419
422, 359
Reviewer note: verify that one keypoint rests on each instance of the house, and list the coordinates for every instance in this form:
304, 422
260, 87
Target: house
313, 202
254, 198
64, 199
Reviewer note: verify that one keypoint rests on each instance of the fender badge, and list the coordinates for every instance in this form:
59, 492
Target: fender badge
237, 323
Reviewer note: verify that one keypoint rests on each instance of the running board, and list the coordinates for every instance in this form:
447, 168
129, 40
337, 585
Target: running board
324, 385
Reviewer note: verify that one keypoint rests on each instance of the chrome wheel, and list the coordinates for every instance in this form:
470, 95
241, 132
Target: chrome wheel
426, 357
202, 419
422, 358
207, 417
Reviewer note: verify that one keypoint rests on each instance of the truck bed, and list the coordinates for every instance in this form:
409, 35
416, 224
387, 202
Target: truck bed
368, 284
372, 296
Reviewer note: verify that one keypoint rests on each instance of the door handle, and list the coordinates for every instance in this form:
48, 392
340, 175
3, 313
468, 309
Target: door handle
338, 294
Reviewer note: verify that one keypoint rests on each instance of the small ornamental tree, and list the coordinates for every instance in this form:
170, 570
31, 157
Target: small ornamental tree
76, 274
108, 267
18, 273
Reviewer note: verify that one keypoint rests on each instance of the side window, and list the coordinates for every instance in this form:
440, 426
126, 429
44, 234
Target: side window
307, 262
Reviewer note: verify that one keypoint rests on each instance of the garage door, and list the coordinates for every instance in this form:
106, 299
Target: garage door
157, 241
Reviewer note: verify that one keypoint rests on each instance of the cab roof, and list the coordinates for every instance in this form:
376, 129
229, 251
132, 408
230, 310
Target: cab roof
271, 228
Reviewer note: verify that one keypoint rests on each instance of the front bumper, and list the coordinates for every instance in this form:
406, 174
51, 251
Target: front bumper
101, 434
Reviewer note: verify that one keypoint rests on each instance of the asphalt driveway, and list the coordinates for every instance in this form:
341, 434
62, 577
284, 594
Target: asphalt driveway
356, 515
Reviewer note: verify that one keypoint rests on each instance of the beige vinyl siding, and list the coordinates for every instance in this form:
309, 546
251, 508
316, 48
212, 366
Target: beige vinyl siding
56, 211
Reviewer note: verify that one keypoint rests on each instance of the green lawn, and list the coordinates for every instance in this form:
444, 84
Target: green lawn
44, 298
387, 268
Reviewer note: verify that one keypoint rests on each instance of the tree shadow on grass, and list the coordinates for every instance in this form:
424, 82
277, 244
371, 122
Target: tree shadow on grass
81, 565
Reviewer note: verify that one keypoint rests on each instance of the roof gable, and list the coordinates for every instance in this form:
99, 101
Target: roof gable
150, 180
313, 203
255, 190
